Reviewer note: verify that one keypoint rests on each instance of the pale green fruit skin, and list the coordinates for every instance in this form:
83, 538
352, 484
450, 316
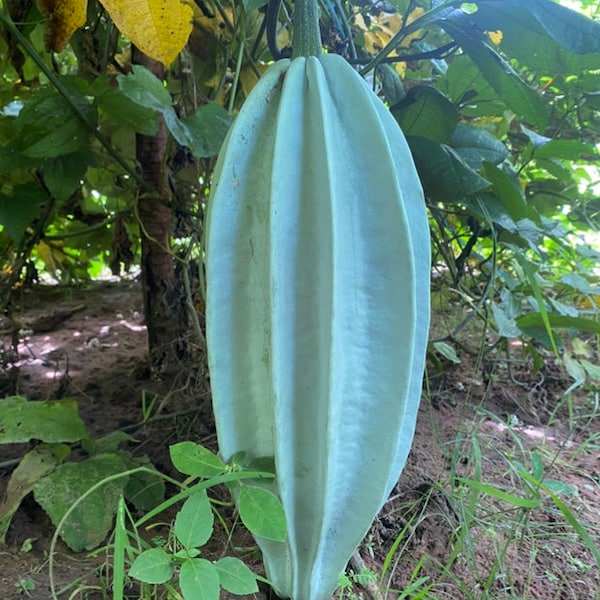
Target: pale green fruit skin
318, 262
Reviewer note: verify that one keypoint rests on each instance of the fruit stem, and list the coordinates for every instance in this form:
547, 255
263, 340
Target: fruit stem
306, 37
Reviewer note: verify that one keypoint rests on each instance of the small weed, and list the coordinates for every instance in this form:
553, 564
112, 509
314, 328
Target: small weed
25, 585
176, 565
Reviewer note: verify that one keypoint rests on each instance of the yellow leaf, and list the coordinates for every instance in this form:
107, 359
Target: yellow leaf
359, 21
214, 25
400, 69
389, 23
248, 77
50, 257
414, 15
159, 28
62, 19
495, 36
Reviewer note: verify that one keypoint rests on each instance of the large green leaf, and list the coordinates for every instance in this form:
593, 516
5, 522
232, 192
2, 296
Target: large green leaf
193, 459
525, 102
566, 150
91, 520
508, 192
208, 128
144, 490
22, 420
472, 93
534, 322
235, 576
540, 48
152, 566
199, 580
145, 89
18, 210
63, 174
477, 145
48, 126
427, 113
261, 512
445, 176
542, 33
194, 521
486, 205
203, 132
11, 158
119, 107
37, 463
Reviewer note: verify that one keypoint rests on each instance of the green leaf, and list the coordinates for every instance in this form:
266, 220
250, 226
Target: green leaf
208, 129
445, 176
194, 522
52, 421
427, 113
529, 270
253, 4
487, 206
558, 487
145, 89
523, 100
537, 466
11, 158
108, 443
63, 174
580, 283
542, 34
575, 522
447, 351
152, 566
261, 512
392, 86
466, 86
199, 580
48, 127
235, 576
18, 210
476, 145
509, 193
490, 490
591, 369
192, 459
178, 129
572, 30
37, 463
121, 545
507, 326
122, 109
565, 149
91, 520
534, 321
144, 490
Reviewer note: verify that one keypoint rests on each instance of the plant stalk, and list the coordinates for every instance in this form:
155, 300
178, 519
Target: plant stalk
306, 38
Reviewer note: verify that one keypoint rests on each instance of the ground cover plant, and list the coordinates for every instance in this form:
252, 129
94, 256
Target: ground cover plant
109, 136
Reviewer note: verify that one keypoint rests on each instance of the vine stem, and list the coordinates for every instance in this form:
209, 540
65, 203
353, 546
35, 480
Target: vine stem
306, 38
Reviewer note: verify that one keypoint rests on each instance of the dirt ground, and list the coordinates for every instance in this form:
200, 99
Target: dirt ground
439, 536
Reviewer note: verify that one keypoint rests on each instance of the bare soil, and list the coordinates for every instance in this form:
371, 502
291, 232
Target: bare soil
453, 538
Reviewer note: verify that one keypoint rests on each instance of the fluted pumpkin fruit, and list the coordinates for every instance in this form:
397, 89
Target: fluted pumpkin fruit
318, 262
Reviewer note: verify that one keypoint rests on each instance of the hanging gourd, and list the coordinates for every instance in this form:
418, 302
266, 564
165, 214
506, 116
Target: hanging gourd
317, 261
